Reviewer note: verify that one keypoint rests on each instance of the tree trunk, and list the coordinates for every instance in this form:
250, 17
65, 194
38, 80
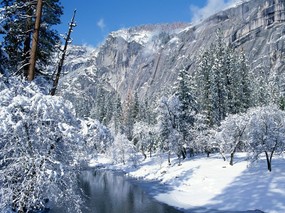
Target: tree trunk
223, 156
32, 67
124, 157
208, 154
183, 152
268, 160
232, 155
191, 152
143, 153
169, 163
232, 159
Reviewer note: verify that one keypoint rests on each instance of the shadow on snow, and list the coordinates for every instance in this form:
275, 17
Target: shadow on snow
260, 188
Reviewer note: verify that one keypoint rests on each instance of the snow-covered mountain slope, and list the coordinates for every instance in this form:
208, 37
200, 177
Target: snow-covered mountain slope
147, 59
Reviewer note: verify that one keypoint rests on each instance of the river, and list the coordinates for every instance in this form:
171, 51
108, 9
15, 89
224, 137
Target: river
111, 192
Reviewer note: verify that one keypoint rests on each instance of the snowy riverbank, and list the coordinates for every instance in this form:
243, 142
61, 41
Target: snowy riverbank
211, 183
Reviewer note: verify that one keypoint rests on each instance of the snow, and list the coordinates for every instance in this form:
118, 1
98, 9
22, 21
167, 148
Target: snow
211, 183
236, 3
174, 40
141, 37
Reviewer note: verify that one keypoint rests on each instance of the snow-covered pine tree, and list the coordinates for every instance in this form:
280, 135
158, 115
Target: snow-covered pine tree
128, 116
146, 113
219, 74
136, 107
237, 82
261, 89
245, 73
202, 78
222, 80
103, 110
19, 24
186, 109
117, 116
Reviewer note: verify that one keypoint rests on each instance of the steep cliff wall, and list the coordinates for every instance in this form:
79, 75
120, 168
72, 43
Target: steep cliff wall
147, 59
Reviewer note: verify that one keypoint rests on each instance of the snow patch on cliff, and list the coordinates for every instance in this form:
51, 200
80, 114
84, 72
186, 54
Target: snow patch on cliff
141, 37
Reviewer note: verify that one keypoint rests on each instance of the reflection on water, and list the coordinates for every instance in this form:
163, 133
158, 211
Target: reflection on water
107, 192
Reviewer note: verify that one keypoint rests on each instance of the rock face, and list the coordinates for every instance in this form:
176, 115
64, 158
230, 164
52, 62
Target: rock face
147, 59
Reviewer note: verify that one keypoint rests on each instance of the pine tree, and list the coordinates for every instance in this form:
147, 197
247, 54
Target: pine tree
187, 107
136, 107
118, 115
219, 81
128, 116
19, 26
222, 80
202, 78
260, 85
146, 114
245, 83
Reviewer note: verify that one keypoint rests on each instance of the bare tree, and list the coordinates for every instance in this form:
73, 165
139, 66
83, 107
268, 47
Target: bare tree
61, 62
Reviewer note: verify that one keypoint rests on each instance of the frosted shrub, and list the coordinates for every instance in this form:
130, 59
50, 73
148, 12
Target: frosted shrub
123, 151
266, 132
39, 150
98, 137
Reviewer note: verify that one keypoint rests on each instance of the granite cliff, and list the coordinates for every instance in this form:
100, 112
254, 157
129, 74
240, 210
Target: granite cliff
147, 59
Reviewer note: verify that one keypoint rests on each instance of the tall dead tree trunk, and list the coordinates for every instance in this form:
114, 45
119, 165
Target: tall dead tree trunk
60, 65
31, 74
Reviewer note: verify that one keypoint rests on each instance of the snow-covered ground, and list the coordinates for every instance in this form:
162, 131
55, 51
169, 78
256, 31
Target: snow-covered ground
211, 183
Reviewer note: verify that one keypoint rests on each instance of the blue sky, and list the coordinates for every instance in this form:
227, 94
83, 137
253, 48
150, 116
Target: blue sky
97, 18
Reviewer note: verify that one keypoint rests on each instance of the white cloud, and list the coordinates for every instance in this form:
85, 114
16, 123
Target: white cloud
210, 8
101, 24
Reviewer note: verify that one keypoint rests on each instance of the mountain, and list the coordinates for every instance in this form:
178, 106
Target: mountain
146, 59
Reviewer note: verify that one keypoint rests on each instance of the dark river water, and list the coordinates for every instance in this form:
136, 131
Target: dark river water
109, 192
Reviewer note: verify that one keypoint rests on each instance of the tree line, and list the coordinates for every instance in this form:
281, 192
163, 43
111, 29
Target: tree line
204, 110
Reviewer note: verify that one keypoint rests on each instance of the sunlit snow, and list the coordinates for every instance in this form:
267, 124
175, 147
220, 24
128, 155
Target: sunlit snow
211, 183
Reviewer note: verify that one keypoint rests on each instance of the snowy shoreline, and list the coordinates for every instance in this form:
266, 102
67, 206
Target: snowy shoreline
204, 184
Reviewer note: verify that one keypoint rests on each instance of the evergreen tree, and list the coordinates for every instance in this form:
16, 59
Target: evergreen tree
104, 106
239, 84
222, 80
128, 117
136, 107
202, 78
187, 106
261, 91
118, 115
19, 26
146, 114
245, 83
3, 59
